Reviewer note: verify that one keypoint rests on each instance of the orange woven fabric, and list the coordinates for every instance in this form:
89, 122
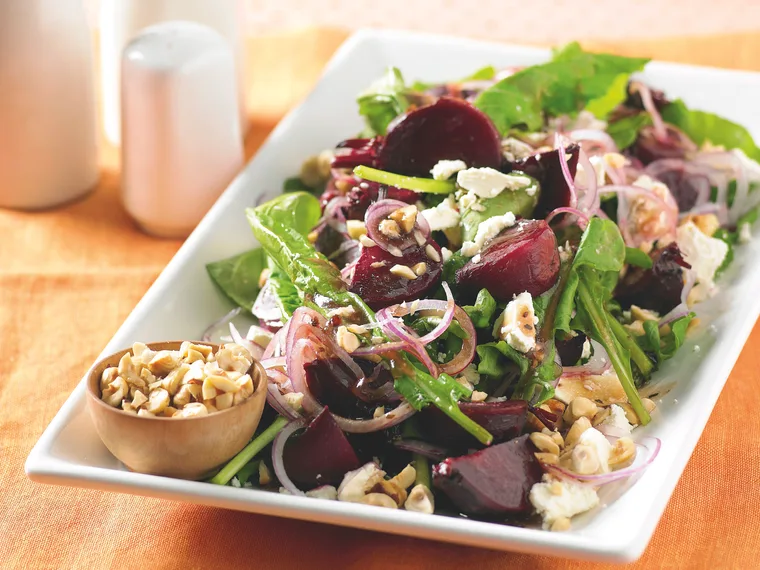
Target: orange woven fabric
69, 277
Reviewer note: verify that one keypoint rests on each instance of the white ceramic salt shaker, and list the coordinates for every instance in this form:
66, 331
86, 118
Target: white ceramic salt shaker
48, 135
181, 132
121, 20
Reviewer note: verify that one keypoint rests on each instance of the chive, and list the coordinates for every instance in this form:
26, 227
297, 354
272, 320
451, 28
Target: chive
427, 185
249, 452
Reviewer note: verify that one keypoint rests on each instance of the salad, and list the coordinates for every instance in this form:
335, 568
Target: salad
457, 309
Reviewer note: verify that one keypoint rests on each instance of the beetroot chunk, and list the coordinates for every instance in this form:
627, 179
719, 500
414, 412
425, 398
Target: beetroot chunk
504, 420
545, 167
492, 482
373, 281
521, 258
321, 455
448, 129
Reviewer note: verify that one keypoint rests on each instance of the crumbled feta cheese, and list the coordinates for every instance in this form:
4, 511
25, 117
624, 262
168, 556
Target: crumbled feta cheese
487, 230
555, 498
704, 253
476, 258
515, 149
442, 216
745, 233
324, 492
586, 351
489, 182
445, 169
467, 200
446, 254
596, 440
518, 323
235, 482
617, 419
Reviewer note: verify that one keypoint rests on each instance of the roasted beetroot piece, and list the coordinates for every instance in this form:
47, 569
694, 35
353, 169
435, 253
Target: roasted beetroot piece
689, 183
374, 282
333, 384
571, 349
493, 482
659, 288
504, 420
521, 258
549, 419
650, 147
321, 455
364, 193
448, 129
354, 152
545, 168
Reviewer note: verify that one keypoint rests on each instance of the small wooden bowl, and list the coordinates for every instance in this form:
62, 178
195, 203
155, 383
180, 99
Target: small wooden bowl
186, 448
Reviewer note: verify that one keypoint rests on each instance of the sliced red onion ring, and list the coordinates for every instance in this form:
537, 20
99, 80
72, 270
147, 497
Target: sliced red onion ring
265, 307
389, 419
276, 345
660, 130
275, 399
434, 452
379, 211
650, 444
594, 136
670, 211
567, 210
559, 144
334, 215
598, 364
213, 327
278, 451
682, 309
590, 201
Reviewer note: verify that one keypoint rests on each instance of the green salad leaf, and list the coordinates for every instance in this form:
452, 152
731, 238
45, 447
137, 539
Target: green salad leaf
482, 312
583, 305
574, 79
634, 256
497, 359
625, 131
383, 101
238, 276
300, 211
702, 126
521, 202
483, 74
665, 346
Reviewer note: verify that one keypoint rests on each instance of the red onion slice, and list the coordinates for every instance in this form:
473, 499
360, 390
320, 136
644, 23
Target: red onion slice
379, 211
598, 364
567, 210
595, 136
255, 350
590, 201
651, 445
278, 451
624, 192
213, 327
682, 309
389, 419
559, 144
658, 124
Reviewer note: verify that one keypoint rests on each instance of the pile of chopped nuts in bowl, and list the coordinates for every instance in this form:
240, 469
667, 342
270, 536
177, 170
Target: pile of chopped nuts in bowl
190, 382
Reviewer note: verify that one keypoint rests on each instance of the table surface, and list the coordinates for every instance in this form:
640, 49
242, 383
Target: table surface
68, 279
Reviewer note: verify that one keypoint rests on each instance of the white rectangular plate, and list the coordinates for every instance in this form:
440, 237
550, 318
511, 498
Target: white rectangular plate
70, 453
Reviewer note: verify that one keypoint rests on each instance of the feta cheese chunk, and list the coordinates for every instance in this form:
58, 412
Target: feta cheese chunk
446, 254
487, 230
705, 254
488, 182
555, 499
445, 169
596, 441
514, 149
617, 419
443, 216
586, 350
518, 323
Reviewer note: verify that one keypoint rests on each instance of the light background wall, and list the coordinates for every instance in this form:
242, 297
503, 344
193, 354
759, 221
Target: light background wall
525, 21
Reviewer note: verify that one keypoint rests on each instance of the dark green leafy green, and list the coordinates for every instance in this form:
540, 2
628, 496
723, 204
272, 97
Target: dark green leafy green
624, 131
498, 359
482, 312
238, 276
731, 239
288, 299
248, 470
574, 79
582, 307
634, 256
299, 211
383, 101
521, 202
701, 126
295, 184
665, 347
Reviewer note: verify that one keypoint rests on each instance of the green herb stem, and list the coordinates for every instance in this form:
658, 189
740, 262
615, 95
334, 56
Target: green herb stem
601, 325
637, 355
422, 468
426, 185
249, 452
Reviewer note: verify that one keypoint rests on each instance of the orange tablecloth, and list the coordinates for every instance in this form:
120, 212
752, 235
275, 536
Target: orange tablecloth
69, 277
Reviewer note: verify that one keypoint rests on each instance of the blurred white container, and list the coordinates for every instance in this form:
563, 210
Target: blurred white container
181, 131
120, 20
48, 135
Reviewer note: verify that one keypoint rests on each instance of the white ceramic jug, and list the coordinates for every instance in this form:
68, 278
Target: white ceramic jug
120, 20
48, 136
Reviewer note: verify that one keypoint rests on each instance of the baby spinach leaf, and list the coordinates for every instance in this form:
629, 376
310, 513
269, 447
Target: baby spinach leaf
634, 256
625, 131
299, 211
665, 347
383, 101
238, 276
702, 126
482, 312
498, 358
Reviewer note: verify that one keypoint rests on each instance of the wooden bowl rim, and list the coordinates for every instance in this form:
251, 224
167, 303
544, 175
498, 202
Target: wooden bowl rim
93, 383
